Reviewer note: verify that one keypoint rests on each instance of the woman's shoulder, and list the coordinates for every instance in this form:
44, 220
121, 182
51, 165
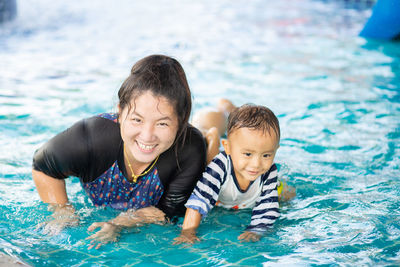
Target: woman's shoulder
101, 126
103, 131
101, 120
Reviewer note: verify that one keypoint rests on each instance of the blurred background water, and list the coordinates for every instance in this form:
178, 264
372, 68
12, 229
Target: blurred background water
336, 96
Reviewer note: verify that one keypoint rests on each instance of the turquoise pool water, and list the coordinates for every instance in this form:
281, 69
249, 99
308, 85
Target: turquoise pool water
337, 97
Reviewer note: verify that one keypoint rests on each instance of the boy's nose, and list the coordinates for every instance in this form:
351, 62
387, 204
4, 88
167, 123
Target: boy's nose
255, 162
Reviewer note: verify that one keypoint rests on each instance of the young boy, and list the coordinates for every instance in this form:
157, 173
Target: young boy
242, 176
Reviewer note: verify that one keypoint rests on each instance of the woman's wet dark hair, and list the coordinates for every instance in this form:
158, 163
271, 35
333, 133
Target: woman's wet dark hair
162, 76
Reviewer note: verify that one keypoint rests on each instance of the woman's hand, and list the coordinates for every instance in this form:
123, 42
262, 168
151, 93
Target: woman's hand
138, 217
64, 216
187, 236
149, 215
249, 237
108, 233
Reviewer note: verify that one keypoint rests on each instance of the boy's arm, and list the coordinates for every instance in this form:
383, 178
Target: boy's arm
190, 224
202, 200
192, 219
266, 210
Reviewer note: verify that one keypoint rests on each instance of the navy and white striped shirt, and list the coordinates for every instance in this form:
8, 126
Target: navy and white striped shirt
219, 186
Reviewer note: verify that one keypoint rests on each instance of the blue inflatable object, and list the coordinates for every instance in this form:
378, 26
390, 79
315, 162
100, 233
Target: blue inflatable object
384, 22
8, 10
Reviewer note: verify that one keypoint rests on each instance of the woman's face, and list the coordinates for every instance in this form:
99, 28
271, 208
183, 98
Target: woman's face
149, 128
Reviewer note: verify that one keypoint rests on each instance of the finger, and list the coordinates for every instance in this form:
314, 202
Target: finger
176, 242
179, 240
187, 245
99, 245
103, 237
244, 237
93, 237
92, 244
192, 240
244, 240
94, 226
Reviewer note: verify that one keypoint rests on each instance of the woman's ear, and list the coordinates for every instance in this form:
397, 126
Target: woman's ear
119, 112
225, 144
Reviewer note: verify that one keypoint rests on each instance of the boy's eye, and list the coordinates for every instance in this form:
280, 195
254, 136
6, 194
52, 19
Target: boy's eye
247, 154
267, 155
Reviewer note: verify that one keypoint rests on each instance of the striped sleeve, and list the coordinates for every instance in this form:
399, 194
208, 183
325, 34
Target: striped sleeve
207, 189
266, 210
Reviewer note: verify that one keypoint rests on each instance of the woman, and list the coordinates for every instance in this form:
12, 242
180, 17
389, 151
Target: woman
145, 160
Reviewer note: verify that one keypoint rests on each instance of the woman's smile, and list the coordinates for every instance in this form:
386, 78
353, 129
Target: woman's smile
146, 148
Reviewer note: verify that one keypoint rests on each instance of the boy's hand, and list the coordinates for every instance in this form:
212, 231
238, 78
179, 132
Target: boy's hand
187, 236
249, 237
288, 192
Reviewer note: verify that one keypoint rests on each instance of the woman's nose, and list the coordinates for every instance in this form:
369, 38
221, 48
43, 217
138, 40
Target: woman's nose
147, 133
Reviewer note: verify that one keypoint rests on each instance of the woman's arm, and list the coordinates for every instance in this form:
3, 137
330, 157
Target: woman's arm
52, 163
109, 231
51, 190
66, 154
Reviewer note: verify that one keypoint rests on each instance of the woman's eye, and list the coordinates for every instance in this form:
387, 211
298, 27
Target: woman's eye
136, 120
163, 124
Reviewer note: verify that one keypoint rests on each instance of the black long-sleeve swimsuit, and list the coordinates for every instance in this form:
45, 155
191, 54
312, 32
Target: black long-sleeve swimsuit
92, 149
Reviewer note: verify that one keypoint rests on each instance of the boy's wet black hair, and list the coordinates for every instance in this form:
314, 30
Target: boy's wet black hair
253, 117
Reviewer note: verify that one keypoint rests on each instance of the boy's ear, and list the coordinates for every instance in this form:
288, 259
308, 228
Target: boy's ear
225, 144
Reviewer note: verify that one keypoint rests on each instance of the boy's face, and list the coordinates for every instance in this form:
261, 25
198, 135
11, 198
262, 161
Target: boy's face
252, 152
